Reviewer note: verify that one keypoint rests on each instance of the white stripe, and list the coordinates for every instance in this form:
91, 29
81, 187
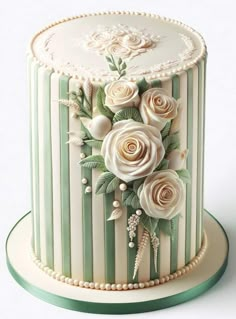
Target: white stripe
144, 268
183, 145
41, 163
194, 164
121, 244
56, 178
165, 251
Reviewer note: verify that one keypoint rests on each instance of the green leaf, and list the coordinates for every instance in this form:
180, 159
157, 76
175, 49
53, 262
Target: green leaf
130, 198
149, 223
107, 183
94, 143
85, 130
112, 67
123, 66
166, 226
163, 165
142, 86
104, 110
165, 131
184, 175
93, 161
170, 143
108, 59
83, 135
156, 84
137, 183
119, 61
126, 114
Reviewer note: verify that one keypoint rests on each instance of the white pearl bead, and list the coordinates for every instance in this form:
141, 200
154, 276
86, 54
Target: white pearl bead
146, 284
102, 286
156, 281
82, 155
119, 287
136, 286
97, 285
58, 276
86, 284
113, 286
141, 285
151, 283
81, 283
123, 187
71, 281
108, 286
131, 244
62, 278
116, 203
125, 286
92, 285
130, 286
76, 282
88, 189
162, 280
139, 212
84, 181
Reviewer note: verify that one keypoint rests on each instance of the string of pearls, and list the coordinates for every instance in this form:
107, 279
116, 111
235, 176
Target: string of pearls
129, 286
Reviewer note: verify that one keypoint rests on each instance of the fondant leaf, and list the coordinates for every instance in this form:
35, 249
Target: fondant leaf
107, 183
149, 223
112, 67
93, 161
103, 109
130, 198
137, 183
116, 213
94, 143
142, 86
108, 59
126, 114
85, 130
163, 165
184, 175
156, 84
170, 143
166, 226
165, 131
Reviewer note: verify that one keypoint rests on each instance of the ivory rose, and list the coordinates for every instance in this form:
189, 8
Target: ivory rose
132, 150
121, 94
157, 107
162, 194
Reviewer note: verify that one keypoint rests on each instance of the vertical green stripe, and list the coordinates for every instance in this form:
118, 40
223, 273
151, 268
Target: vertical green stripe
36, 162
175, 221
87, 219
65, 182
48, 201
109, 239
29, 66
199, 155
131, 252
203, 143
153, 273
189, 163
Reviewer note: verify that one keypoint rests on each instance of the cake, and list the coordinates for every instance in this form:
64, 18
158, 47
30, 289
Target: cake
117, 104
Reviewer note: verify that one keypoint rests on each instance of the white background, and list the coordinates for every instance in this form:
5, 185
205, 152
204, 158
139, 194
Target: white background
216, 20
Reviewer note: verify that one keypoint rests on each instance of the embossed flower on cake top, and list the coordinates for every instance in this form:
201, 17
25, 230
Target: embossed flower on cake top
162, 194
120, 94
121, 41
157, 107
132, 150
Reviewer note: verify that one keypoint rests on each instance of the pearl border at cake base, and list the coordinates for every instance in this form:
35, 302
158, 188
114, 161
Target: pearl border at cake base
200, 279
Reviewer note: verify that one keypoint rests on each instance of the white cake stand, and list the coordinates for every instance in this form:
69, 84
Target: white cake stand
191, 285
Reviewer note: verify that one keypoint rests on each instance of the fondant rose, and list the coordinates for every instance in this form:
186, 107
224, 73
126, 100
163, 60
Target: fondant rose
157, 107
135, 42
162, 194
121, 94
132, 150
118, 50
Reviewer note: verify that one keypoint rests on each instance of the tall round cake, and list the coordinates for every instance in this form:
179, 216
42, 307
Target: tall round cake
117, 121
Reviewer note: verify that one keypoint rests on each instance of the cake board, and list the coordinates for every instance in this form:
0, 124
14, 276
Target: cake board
197, 281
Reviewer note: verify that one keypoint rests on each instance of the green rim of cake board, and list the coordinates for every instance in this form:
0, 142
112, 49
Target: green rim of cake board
124, 308
175, 221
131, 253
189, 163
199, 155
48, 202
65, 182
87, 217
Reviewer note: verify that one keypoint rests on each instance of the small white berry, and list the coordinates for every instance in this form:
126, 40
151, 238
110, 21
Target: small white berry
88, 189
123, 187
131, 244
116, 203
139, 212
84, 181
82, 155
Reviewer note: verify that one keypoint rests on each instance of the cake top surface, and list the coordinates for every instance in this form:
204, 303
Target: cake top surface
153, 46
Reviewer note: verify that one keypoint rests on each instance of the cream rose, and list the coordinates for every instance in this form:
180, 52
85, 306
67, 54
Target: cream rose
157, 107
132, 150
121, 94
162, 194
118, 50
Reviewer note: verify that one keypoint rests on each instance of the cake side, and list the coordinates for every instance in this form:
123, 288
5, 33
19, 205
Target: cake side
71, 233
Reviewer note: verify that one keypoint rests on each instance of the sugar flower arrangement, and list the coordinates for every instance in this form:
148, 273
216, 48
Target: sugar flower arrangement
137, 135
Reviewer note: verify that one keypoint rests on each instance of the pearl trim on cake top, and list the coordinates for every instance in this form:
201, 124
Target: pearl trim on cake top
129, 286
161, 74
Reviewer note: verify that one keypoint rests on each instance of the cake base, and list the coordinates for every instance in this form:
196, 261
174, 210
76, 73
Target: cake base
189, 286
